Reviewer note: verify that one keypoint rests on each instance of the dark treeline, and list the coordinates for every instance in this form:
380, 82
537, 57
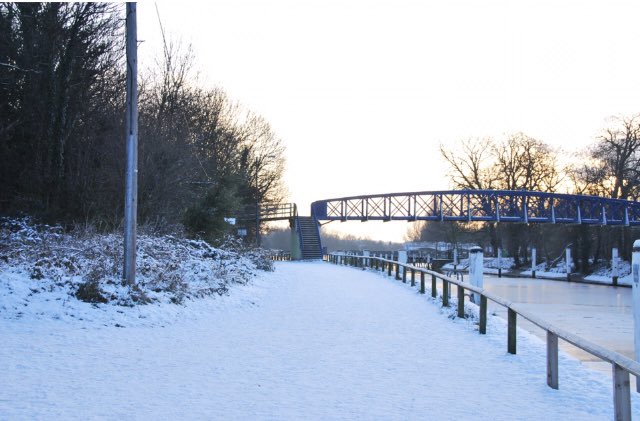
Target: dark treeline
349, 242
62, 97
609, 167
280, 239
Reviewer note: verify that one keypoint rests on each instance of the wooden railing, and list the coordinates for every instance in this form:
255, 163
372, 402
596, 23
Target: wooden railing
280, 255
622, 367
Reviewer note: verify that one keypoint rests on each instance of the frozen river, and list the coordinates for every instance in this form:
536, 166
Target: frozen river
601, 314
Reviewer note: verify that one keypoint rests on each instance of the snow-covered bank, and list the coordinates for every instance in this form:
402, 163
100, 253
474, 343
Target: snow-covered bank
602, 275
45, 274
310, 340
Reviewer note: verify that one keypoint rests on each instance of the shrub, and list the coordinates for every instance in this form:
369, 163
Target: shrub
90, 292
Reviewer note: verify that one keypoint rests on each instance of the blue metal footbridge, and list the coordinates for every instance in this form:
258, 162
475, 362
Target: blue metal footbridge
518, 206
480, 205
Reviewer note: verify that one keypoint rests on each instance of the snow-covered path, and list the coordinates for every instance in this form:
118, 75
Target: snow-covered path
311, 340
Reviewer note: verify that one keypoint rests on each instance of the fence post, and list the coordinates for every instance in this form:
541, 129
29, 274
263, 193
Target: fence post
389, 264
404, 274
621, 393
483, 315
568, 262
552, 360
499, 262
434, 287
445, 293
422, 289
460, 301
476, 263
511, 331
614, 266
413, 277
455, 260
533, 262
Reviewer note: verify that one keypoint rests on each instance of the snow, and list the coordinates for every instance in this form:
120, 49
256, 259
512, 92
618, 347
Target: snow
39, 264
310, 340
491, 265
605, 275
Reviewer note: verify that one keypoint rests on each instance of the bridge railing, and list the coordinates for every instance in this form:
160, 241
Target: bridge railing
480, 205
279, 255
622, 367
277, 211
269, 212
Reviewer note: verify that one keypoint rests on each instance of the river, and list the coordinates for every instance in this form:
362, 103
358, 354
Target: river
601, 314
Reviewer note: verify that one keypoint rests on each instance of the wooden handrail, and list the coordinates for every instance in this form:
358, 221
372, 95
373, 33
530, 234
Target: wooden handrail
622, 366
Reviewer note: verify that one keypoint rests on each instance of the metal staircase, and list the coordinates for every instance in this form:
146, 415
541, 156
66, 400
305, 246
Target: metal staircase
309, 236
305, 239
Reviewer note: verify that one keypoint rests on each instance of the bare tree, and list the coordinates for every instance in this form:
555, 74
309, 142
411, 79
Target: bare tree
616, 156
611, 170
522, 162
516, 162
264, 159
471, 165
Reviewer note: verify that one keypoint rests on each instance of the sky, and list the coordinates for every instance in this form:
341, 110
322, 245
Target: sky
363, 93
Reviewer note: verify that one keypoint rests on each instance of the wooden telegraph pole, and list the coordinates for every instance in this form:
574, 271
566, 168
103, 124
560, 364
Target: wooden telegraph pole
635, 271
131, 171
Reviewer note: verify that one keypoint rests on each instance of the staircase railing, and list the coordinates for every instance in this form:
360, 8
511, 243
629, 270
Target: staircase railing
269, 212
317, 232
299, 232
277, 211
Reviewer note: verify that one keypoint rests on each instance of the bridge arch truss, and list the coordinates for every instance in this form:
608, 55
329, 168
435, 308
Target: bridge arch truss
480, 205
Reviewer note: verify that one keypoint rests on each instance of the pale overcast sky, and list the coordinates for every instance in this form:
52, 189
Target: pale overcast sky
363, 92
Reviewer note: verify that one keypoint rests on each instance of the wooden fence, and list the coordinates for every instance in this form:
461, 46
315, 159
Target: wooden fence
622, 367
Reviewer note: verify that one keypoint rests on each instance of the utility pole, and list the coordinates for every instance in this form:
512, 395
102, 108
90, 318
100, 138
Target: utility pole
635, 271
131, 126
257, 207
